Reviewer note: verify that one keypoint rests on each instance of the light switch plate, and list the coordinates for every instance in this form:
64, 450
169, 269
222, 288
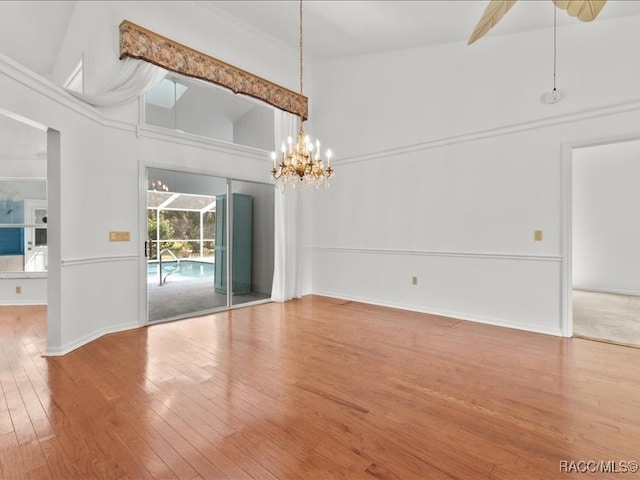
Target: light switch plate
119, 236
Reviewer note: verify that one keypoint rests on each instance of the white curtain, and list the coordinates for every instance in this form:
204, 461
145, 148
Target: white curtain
286, 281
134, 78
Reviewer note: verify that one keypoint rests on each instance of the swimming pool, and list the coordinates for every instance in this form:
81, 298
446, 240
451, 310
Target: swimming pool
189, 270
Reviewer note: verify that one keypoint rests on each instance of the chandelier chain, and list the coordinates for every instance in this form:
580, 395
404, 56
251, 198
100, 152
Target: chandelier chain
301, 165
554, 47
301, 63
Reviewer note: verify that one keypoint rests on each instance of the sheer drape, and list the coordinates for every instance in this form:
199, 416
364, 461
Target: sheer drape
135, 78
285, 272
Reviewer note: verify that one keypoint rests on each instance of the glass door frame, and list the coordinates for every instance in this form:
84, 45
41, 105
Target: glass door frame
144, 247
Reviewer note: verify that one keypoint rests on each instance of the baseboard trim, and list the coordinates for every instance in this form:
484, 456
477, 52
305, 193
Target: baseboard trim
556, 332
63, 350
28, 303
613, 291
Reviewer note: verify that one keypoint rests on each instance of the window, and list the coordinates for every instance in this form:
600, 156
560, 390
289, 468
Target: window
75, 81
197, 107
23, 226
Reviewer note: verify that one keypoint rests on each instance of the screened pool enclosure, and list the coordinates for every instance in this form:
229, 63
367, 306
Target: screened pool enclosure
194, 234
180, 224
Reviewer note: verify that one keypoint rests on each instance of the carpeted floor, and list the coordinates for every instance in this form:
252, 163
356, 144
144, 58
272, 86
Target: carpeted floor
607, 317
179, 299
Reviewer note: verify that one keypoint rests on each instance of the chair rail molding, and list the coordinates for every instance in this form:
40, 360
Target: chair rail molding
440, 253
72, 262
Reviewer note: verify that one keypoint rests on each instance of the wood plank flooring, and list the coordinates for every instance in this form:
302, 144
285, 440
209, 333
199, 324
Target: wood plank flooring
315, 388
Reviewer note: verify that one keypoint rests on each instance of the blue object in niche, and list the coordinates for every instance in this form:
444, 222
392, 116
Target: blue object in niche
12, 239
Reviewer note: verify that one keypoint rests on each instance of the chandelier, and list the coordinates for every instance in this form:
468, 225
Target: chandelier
158, 186
299, 166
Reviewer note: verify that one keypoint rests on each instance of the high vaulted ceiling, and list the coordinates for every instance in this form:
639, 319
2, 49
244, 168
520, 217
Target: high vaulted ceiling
31, 32
341, 28
20, 140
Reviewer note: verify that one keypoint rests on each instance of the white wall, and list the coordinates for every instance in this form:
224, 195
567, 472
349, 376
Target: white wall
199, 112
159, 116
444, 174
96, 179
447, 162
195, 115
93, 30
606, 218
33, 290
76, 204
255, 128
23, 168
393, 100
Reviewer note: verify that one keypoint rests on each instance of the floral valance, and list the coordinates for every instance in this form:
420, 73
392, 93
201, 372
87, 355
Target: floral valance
140, 43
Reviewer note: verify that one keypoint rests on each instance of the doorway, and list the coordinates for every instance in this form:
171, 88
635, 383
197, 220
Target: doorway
198, 243
605, 224
23, 205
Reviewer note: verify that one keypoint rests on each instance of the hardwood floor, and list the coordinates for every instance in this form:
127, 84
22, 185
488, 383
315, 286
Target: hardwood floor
316, 388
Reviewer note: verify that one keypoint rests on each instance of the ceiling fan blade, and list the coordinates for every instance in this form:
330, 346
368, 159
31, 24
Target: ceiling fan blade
492, 15
585, 10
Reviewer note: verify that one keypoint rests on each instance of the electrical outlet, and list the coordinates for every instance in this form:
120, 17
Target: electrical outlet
537, 235
414, 280
18, 289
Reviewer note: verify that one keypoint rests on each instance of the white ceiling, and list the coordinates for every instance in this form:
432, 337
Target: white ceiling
342, 28
21, 141
31, 32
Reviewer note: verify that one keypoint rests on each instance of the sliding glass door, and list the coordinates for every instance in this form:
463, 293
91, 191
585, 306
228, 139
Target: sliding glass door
252, 240
195, 233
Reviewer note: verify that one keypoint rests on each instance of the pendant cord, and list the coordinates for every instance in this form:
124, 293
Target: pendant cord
300, 47
298, 168
555, 12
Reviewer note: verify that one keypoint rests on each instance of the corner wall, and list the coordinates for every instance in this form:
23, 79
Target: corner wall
447, 163
94, 188
606, 218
